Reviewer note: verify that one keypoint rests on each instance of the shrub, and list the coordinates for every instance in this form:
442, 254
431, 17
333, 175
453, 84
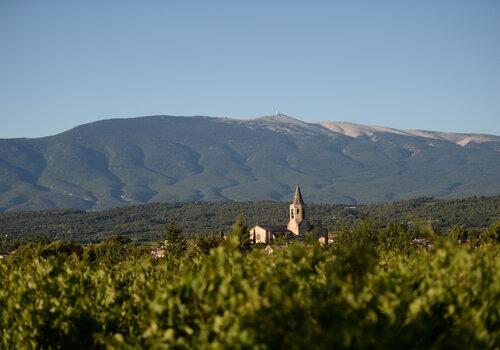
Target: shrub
368, 294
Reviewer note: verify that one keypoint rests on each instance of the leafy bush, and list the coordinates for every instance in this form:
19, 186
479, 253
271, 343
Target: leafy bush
207, 242
112, 251
369, 292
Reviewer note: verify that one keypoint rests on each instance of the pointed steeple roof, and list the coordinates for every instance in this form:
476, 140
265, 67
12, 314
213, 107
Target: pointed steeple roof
297, 198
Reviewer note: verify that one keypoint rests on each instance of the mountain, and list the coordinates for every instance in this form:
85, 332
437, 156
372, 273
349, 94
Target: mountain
172, 159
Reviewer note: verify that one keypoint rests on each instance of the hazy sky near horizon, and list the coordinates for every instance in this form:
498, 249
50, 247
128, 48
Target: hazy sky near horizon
427, 64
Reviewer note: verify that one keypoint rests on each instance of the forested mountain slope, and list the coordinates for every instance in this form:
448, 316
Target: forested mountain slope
120, 162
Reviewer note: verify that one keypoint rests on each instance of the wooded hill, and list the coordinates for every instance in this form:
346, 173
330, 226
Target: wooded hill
147, 222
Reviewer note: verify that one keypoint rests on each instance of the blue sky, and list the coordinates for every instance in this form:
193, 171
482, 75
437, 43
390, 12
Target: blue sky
406, 64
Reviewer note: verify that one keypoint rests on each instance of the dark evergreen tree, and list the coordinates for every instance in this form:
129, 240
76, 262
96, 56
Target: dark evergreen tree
240, 231
175, 242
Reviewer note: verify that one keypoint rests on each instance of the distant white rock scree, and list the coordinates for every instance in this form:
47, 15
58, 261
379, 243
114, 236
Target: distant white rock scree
357, 130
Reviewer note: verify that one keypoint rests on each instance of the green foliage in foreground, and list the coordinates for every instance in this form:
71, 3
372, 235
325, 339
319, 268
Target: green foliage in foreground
370, 289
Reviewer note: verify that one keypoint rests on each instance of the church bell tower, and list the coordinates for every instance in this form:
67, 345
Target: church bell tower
298, 223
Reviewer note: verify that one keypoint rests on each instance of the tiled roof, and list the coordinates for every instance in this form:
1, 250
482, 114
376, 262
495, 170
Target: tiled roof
273, 227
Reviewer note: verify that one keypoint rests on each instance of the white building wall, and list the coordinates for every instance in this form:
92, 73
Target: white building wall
259, 235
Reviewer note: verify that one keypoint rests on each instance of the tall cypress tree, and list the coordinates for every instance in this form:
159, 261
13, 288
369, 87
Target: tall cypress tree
175, 242
240, 230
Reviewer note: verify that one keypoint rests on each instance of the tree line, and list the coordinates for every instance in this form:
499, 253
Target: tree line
146, 222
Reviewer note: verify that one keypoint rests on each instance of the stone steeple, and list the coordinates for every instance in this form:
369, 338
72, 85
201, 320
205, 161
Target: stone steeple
298, 223
297, 198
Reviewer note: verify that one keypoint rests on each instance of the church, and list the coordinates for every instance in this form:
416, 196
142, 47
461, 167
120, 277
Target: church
298, 226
